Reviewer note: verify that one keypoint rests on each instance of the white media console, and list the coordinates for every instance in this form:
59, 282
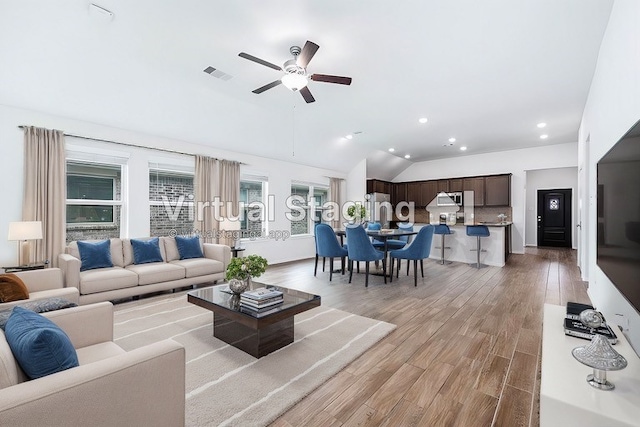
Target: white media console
566, 399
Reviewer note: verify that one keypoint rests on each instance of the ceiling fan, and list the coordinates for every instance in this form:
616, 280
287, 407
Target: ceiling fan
296, 77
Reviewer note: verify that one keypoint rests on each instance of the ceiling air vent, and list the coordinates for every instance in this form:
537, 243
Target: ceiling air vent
217, 73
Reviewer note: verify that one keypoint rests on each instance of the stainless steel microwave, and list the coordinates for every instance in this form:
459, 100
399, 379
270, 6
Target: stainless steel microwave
449, 199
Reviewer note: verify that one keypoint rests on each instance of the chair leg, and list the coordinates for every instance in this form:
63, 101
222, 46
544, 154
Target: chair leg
366, 276
398, 269
350, 270
323, 260
422, 267
415, 272
392, 270
408, 262
342, 265
315, 270
330, 268
384, 271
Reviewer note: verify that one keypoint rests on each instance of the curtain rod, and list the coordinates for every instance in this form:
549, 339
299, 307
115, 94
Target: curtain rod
166, 150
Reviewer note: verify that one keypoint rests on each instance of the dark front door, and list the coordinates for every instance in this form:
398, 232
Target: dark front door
554, 218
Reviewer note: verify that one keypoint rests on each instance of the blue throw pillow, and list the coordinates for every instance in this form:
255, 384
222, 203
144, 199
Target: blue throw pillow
39, 345
189, 247
145, 251
95, 254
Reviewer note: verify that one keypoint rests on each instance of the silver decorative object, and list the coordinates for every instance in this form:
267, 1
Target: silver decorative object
598, 354
238, 286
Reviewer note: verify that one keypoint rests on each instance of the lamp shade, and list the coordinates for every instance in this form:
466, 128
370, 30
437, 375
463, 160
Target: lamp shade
25, 230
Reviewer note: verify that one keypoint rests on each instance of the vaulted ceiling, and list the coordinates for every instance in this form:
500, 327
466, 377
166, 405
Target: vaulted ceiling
482, 72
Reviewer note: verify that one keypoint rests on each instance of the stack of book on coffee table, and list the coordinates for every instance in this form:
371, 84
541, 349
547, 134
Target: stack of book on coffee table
260, 302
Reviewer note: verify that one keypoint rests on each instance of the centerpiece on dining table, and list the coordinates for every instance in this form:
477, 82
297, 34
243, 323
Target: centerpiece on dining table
241, 271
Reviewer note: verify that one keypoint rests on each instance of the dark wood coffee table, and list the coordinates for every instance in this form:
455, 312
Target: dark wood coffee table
253, 335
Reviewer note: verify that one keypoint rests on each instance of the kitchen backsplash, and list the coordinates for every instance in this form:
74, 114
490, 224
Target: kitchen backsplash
483, 214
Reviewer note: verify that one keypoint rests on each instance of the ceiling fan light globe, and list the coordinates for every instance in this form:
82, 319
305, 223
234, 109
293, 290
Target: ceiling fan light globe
294, 81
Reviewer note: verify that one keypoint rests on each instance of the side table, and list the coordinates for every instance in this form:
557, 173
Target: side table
27, 267
235, 251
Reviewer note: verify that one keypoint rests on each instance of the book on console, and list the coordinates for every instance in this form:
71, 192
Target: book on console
574, 309
576, 328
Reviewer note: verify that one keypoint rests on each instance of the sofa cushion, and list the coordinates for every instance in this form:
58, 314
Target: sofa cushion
12, 288
95, 254
39, 345
106, 279
116, 251
38, 306
189, 247
200, 266
157, 272
146, 251
127, 249
170, 248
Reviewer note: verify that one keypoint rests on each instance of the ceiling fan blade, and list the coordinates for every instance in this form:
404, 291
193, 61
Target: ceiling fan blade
259, 61
306, 94
267, 86
309, 49
331, 79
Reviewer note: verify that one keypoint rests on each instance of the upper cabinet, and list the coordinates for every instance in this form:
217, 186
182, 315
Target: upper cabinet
413, 192
455, 184
428, 191
398, 192
475, 184
497, 190
444, 185
378, 186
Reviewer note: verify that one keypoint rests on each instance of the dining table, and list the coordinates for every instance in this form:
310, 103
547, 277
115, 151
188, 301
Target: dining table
384, 234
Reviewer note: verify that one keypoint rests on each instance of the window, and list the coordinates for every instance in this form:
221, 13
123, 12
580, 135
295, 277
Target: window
302, 221
94, 202
171, 202
252, 201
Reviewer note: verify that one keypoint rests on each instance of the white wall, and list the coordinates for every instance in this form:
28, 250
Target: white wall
549, 179
516, 162
612, 108
279, 173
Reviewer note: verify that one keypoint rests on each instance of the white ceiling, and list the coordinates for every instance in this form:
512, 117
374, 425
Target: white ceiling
485, 72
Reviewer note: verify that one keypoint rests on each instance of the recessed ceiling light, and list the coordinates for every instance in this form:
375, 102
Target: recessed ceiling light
542, 124
452, 139
544, 136
463, 148
406, 156
349, 136
423, 120
391, 150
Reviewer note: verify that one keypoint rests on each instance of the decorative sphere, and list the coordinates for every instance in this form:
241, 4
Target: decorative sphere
237, 286
591, 318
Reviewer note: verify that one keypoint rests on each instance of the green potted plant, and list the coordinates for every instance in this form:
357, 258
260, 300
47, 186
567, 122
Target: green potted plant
356, 212
240, 271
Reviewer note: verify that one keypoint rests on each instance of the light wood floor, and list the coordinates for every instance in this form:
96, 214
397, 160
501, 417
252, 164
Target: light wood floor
466, 351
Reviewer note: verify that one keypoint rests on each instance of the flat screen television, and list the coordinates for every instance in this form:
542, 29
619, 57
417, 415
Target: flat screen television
618, 206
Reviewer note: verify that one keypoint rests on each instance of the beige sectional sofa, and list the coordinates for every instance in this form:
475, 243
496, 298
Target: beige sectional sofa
110, 387
126, 279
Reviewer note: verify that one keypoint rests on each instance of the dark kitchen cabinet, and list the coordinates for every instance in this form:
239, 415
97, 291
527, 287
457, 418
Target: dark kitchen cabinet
475, 184
497, 190
413, 192
443, 185
378, 186
428, 191
398, 192
455, 184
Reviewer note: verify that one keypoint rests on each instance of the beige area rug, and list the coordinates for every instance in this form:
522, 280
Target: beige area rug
226, 386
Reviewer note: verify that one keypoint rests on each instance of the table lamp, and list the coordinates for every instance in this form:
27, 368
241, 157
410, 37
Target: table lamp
23, 231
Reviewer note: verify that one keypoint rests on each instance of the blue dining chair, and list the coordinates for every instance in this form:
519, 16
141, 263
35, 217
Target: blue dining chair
327, 246
401, 241
360, 248
419, 249
377, 243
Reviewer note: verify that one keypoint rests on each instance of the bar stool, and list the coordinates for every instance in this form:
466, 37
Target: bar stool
442, 230
478, 231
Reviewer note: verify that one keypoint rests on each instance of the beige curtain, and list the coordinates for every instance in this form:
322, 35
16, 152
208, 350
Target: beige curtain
230, 195
216, 181
45, 190
335, 194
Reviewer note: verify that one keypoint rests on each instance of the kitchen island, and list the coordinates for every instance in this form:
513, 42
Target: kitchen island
497, 245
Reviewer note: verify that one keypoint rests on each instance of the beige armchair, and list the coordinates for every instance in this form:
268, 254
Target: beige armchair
111, 387
42, 284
